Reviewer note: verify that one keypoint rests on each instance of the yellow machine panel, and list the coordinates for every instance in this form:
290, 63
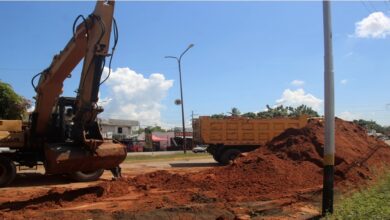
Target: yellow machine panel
11, 139
11, 125
241, 131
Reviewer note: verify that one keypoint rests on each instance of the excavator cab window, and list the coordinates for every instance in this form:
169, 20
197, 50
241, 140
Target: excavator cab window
68, 122
62, 122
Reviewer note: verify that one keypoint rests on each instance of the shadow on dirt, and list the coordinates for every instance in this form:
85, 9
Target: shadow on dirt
53, 198
38, 179
194, 164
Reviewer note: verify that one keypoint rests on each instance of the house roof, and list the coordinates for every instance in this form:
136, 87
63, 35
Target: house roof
118, 122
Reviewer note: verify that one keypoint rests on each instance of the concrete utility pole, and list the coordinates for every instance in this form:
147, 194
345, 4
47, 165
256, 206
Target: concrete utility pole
181, 95
329, 148
193, 116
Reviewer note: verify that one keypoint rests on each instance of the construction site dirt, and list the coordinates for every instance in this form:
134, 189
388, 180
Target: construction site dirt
282, 179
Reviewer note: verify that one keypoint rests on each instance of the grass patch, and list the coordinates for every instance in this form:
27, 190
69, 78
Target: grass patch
167, 157
372, 203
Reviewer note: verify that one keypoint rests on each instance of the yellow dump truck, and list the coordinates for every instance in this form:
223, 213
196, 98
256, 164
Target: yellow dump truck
228, 137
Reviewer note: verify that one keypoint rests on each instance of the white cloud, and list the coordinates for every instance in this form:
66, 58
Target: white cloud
375, 25
297, 82
31, 109
348, 54
349, 116
103, 101
298, 97
344, 81
135, 97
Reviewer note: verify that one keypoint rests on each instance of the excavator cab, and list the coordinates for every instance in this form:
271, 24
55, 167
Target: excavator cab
62, 116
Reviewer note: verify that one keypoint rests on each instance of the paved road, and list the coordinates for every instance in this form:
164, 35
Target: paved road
154, 153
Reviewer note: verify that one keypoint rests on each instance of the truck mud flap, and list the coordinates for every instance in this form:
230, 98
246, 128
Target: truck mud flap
63, 158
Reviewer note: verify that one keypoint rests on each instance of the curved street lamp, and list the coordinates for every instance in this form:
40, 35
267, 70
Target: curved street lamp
178, 59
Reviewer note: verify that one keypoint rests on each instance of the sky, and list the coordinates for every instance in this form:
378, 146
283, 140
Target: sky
246, 55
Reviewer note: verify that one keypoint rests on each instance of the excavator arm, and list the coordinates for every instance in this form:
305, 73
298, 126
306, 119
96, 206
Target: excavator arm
85, 149
69, 143
91, 42
87, 96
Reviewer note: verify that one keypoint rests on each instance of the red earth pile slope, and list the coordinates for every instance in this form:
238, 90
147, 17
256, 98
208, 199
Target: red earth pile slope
287, 166
290, 163
358, 156
60, 197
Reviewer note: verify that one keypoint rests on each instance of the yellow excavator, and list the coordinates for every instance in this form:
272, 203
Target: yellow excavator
62, 133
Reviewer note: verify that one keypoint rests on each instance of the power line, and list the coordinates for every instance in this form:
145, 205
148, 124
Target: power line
19, 69
371, 11
366, 7
387, 4
372, 6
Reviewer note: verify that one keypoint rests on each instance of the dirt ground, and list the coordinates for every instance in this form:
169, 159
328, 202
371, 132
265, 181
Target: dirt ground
280, 180
21, 200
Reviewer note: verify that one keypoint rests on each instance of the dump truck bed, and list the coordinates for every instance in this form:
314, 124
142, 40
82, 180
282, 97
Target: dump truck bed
238, 131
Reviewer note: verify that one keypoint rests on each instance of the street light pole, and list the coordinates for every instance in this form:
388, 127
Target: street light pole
181, 95
329, 148
182, 109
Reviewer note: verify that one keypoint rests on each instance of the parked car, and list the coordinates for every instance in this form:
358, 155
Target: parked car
199, 149
4, 149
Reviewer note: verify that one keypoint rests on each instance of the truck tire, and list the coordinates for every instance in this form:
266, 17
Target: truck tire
81, 176
217, 157
7, 171
229, 155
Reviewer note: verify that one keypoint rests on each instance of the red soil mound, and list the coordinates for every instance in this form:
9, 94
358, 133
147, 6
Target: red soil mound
287, 166
290, 163
261, 175
59, 197
357, 154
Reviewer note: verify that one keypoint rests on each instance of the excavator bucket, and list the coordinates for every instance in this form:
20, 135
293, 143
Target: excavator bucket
68, 158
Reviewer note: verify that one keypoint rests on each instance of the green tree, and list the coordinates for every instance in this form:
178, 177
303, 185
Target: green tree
387, 130
235, 112
287, 111
369, 125
221, 115
303, 110
277, 112
13, 106
249, 115
156, 129
153, 129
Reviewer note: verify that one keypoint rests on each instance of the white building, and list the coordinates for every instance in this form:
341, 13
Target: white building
118, 129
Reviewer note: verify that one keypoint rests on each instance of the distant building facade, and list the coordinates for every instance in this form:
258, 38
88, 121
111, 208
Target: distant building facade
118, 129
179, 132
161, 140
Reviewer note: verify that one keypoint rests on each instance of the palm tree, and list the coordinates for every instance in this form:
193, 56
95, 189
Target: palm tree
235, 112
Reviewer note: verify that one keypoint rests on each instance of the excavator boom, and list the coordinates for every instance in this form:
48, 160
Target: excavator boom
84, 148
63, 133
51, 80
91, 43
87, 96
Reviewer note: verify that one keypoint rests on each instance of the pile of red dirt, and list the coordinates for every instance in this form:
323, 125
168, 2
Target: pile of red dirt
289, 164
264, 176
358, 155
60, 197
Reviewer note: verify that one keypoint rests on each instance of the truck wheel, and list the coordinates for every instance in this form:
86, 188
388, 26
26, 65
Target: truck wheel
7, 171
81, 176
217, 157
229, 155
